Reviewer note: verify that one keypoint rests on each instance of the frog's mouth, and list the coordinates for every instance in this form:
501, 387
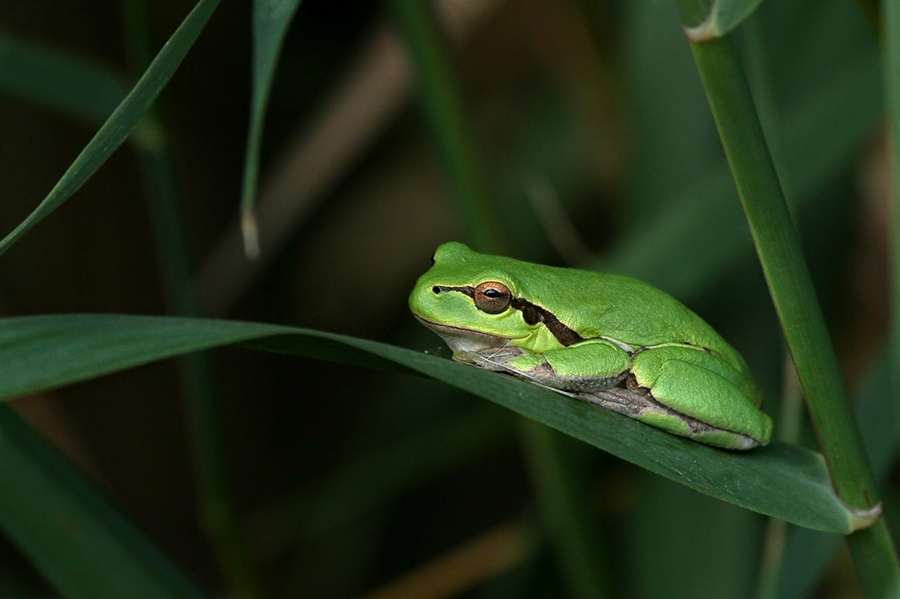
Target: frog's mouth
464, 340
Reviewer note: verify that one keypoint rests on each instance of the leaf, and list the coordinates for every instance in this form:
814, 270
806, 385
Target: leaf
784, 481
123, 120
99, 553
54, 78
271, 19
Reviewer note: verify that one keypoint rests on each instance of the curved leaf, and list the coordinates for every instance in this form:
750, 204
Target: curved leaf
784, 481
100, 553
123, 120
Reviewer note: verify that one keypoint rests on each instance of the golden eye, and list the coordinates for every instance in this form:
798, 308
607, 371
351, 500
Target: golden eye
492, 297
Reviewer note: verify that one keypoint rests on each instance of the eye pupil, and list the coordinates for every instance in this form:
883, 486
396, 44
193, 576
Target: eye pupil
491, 293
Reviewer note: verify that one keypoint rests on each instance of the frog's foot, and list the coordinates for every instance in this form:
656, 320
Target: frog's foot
638, 403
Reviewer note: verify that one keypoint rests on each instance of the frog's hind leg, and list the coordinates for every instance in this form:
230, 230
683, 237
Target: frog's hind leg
643, 406
700, 386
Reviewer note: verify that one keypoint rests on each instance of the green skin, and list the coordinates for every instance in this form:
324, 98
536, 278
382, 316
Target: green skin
607, 339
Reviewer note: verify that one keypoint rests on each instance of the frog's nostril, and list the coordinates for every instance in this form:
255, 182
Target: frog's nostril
436, 289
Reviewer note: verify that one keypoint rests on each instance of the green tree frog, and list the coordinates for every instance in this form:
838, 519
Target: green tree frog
607, 339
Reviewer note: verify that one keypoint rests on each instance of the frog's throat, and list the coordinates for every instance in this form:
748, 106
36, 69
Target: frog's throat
532, 314
464, 340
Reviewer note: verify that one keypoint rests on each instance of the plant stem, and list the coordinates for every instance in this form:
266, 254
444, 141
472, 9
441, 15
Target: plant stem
568, 518
795, 301
891, 37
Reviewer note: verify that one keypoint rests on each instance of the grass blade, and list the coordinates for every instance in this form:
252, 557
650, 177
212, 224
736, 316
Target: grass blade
123, 120
271, 19
71, 534
783, 481
50, 77
570, 524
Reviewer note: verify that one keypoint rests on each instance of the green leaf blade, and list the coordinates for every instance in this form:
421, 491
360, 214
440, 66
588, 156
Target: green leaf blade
80, 347
50, 77
271, 20
99, 554
783, 481
123, 120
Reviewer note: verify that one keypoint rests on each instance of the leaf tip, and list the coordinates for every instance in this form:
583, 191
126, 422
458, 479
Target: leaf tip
250, 233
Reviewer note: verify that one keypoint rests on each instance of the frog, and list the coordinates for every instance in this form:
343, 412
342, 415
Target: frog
609, 339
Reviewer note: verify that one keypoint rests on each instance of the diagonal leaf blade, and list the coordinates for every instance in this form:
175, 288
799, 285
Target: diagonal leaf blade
781, 480
100, 553
54, 78
125, 118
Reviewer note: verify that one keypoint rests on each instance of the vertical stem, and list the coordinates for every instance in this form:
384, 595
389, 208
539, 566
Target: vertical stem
568, 518
781, 257
795, 301
891, 38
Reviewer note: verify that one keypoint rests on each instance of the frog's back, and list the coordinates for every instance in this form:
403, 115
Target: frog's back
625, 309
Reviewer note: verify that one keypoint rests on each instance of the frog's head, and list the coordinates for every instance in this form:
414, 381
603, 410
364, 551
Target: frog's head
474, 301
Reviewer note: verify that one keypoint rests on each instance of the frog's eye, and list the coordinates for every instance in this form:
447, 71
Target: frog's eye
492, 297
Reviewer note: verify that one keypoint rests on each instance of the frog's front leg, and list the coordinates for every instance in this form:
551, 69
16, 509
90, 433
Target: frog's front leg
584, 367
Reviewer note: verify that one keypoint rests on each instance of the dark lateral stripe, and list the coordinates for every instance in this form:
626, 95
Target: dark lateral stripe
532, 315
535, 314
467, 290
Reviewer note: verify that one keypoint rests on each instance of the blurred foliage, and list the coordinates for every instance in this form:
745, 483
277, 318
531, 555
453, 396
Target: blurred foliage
600, 151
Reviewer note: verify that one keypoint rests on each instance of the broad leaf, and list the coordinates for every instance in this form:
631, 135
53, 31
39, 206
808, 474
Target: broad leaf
784, 481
